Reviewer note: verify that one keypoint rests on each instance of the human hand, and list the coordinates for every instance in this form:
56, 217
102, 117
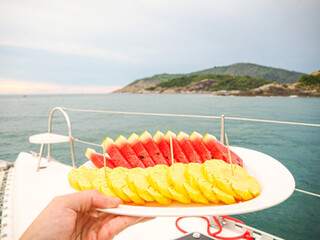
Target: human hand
73, 216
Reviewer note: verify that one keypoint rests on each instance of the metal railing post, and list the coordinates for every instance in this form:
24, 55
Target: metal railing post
69, 130
222, 130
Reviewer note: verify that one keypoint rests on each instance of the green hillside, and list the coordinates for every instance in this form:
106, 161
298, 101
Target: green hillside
309, 81
248, 69
239, 69
214, 82
161, 77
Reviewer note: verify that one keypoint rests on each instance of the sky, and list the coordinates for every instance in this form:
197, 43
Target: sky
77, 46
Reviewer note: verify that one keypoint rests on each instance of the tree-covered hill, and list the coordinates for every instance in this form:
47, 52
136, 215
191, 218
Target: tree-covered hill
238, 69
248, 69
309, 80
211, 82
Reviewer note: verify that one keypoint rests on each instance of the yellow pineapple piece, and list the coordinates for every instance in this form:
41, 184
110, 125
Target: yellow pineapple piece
117, 181
157, 178
84, 178
99, 182
73, 179
108, 191
158, 196
195, 194
91, 173
138, 180
84, 182
197, 180
222, 196
101, 171
133, 195
176, 177
239, 185
178, 196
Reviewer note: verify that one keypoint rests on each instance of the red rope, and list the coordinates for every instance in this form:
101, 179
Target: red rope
245, 235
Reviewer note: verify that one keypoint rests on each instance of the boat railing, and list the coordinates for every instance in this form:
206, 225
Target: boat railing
222, 118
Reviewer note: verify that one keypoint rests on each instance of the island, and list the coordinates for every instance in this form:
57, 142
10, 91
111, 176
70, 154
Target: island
242, 79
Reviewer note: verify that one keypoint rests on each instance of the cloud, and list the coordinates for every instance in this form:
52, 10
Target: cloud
13, 86
124, 40
58, 27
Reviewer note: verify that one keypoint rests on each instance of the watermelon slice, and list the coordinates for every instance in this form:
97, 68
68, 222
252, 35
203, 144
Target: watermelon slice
97, 159
200, 147
163, 146
139, 149
220, 151
188, 148
127, 152
152, 148
115, 154
178, 154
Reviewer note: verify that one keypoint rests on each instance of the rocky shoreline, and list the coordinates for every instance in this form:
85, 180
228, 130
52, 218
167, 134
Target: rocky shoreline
268, 90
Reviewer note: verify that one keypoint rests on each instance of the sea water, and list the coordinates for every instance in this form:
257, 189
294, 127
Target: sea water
297, 147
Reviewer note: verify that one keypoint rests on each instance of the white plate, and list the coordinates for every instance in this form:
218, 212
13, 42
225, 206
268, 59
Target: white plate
277, 184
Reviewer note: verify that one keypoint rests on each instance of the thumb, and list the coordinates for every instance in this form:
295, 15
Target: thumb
87, 199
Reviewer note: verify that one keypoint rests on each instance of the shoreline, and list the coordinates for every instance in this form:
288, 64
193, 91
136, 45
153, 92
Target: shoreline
268, 90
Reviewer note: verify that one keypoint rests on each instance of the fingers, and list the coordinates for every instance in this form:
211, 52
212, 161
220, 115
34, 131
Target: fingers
111, 226
88, 199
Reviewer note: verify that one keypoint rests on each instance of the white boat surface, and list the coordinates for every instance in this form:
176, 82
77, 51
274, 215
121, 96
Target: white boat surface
29, 192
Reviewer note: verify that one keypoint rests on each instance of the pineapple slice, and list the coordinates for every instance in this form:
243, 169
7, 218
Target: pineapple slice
240, 185
139, 182
211, 181
176, 174
117, 181
108, 191
85, 178
73, 179
101, 183
197, 180
158, 197
158, 179
133, 195
176, 177
178, 196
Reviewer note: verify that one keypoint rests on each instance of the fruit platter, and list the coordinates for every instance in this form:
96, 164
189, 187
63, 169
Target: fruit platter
182, 175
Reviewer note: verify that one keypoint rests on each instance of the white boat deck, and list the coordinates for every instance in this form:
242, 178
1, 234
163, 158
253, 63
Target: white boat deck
39, 187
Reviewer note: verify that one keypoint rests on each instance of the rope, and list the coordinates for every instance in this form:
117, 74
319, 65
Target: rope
273, 121
145, 114
88, 143
191, 116
245, 235
306, 192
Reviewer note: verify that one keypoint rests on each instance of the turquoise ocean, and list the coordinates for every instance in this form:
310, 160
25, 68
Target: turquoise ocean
296, 147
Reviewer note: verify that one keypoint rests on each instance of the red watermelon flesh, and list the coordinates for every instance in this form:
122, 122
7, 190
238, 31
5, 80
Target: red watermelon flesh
127, 152
115, 154
97, 159
152, 148
188, 148
178, 154
220, 151
139, 149
163, 146
200, 147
